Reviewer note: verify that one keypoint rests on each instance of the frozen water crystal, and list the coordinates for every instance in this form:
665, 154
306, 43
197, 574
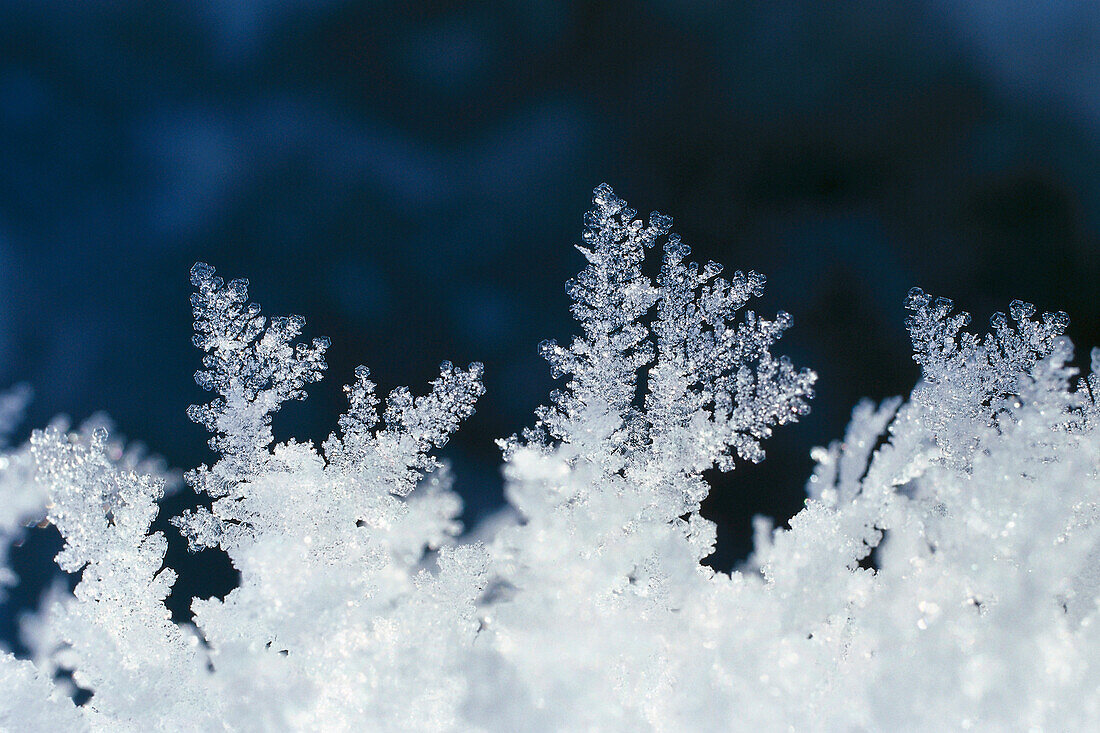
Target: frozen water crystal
941, 575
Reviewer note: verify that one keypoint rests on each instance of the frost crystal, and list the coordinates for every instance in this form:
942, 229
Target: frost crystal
252, 364
942, 575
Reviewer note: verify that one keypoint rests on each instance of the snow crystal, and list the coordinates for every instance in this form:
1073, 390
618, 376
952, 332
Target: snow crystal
941, 575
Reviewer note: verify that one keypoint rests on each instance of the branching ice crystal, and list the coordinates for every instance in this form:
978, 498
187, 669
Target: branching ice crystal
713, 386
942, 574
253, 365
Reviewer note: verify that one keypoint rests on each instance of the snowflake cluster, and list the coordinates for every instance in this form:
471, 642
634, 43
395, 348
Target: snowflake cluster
942, 575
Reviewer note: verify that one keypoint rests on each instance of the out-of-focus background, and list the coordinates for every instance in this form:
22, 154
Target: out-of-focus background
410, 176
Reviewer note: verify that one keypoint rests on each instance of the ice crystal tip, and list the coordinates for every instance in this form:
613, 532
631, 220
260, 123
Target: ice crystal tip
201, 273
1059, 320
660, 222
676, 248
1020, 310
238, 288
604, 198
711, 269
916, 299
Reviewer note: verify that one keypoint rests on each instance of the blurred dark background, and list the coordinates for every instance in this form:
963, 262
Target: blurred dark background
411, 177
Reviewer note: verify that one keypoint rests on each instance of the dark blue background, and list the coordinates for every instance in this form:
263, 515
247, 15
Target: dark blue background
411, 177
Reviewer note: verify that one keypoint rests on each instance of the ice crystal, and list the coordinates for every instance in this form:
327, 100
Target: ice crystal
942, 574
